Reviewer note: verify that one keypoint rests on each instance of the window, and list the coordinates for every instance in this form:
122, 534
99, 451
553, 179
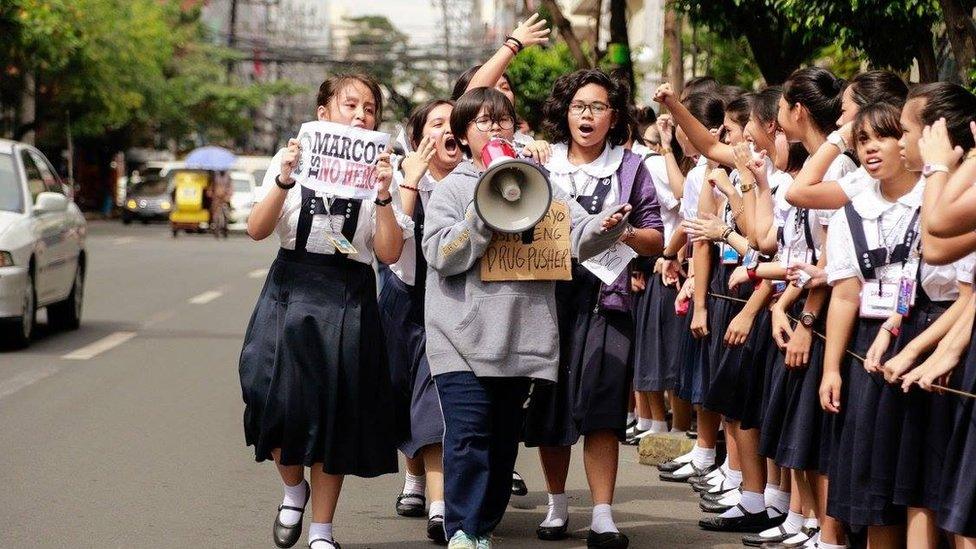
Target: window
52, 183
35, 179
11, 196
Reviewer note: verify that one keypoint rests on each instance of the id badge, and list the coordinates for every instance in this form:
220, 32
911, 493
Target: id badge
799, 254
342, 244
729, 255
906, 296
879, 304
751, 259
779, 287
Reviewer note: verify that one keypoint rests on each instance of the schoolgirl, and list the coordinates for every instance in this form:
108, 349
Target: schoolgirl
587, 116
507, 338
314, 371
435, 154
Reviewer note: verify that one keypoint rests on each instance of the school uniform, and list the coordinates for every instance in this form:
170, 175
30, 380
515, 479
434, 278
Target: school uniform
870, 239
314, 372
656, 364
595, 320
487, 343
401, 303
692, 352
927, 423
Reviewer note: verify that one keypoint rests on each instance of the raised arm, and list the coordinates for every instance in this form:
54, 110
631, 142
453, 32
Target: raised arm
809, 190
676, 178
529, 32
704, 140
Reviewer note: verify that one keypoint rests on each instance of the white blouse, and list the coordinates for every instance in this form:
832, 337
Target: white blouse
582, 180
852, 183
657, 166
406, 268
287, 227
694, 180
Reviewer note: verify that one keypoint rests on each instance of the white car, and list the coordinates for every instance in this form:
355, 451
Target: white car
42, 245
242, 200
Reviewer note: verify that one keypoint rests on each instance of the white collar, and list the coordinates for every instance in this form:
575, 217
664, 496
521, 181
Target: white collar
604, 166
871, 204
426, 183
702, 161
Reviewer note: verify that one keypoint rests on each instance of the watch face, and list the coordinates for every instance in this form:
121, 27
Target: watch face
807, 320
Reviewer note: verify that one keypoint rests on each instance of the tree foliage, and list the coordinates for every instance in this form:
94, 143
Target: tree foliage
534, 71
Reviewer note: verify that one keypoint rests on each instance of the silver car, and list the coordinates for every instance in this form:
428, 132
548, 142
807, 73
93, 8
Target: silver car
42, 245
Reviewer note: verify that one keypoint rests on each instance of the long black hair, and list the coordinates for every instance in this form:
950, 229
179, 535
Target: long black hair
765, 104
878, 86
555, 111
882, 118
337, 82
461, 84
819, 91
950, 101
415, 124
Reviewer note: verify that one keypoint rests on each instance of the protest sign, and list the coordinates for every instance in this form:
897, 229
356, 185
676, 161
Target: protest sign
608, 265
339, 160
547, 257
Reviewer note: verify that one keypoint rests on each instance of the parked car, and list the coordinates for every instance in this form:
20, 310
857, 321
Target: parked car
42, 245
257, 166
242, 200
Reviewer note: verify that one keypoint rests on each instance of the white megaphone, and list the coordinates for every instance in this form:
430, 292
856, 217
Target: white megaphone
513, 195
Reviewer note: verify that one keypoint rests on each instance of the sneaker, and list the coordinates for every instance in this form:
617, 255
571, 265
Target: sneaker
460, 540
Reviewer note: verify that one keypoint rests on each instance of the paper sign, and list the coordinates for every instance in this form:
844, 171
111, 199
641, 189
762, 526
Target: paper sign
547, 257
608, 265
339, 160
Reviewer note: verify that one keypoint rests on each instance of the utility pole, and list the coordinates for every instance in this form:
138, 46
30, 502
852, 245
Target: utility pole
232, 36
619, 46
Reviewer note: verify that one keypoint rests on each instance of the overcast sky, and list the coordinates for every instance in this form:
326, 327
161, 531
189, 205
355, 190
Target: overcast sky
417, 18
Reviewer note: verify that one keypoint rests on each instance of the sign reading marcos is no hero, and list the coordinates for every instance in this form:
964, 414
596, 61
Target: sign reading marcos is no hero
339, 160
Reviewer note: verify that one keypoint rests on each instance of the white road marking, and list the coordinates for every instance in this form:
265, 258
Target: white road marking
124, 240
258, 273
205, 297
94, 349
25, 379
161, 316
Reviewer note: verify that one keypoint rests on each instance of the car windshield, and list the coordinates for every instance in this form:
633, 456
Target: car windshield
11, 194
241, 185
153, 186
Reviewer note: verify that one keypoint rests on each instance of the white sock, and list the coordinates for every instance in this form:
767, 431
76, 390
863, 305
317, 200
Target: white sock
704, 457
643, 424
792, 525
824, 545
659, 426
414, 484
813, 542
776, 498
752, 502
674, 431
800, 537
436, 508
715, 475
558, 512
812, 522
686, 458
732, 498
294, 497
734, 477
319, 530
603, 519
631, 417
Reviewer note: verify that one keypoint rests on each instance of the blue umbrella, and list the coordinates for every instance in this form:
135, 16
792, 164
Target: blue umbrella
217, 159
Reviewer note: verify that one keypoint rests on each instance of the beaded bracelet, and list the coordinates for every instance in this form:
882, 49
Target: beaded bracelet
517, 42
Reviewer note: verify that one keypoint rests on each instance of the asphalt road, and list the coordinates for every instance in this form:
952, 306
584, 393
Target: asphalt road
127, 433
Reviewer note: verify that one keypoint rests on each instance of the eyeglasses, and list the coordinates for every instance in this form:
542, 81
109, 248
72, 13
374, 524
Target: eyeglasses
484, 123
597, 108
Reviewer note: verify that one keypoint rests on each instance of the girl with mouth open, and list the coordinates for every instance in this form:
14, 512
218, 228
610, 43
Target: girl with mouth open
588, 118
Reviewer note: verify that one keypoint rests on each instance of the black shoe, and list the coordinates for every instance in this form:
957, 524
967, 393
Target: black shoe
607, 540
635, 439
674, 476
552, 533
755, 540
714, 498
413, 510
632, 431
287, 536
691, 434
435, 530
808, 532
713, 507
632, 423
669, 466
330, 544
702, 484
749, 522
518, 485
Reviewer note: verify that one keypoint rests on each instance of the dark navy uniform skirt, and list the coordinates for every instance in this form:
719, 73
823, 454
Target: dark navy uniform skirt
657, 362
314, 372
592, 391
415, 395
860, 481
721, 378
957, 490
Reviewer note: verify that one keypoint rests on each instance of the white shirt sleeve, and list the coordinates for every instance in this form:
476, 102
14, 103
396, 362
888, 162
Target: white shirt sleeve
841, 261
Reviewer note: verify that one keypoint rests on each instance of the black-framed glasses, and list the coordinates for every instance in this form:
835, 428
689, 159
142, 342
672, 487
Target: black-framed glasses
597, 108
484, 123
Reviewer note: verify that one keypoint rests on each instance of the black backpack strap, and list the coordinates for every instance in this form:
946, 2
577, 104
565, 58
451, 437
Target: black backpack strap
808, 234
867, 260
901, 251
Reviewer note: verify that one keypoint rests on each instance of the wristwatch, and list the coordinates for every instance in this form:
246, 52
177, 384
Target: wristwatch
837, 140
667, 257
385, 202
746, 187
929, 169
807, 319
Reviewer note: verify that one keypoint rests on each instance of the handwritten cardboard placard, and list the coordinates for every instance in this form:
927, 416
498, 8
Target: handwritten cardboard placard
547, 257
339, 160
608, 265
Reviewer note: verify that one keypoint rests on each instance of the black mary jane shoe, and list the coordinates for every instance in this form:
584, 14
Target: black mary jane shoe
329, 544
412, 510
674, 476
518, 485
287, 536
748, 522
713, 507
714, 497
435, 530
607, 540
670, 466
755, 540
552, 533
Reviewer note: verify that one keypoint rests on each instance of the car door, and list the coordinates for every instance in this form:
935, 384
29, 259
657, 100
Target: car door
46, 230
67, 247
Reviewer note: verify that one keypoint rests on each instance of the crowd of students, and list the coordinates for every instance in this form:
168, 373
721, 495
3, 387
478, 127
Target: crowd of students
802, 291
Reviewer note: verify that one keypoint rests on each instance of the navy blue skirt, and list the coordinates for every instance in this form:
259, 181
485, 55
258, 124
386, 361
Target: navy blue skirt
657, 362
415, 396
957, 490
721, 378
774, 402
760, 352
314, 371
861, 482
592, 392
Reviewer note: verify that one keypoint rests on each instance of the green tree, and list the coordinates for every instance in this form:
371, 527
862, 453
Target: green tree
534, 71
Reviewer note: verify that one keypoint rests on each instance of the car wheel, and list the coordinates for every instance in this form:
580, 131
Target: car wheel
23, 330
66, 315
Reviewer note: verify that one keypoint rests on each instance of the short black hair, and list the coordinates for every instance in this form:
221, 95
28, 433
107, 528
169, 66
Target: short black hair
950, 101
819, 91
555, 111
730, 93
882, 118
765, 104
418, 117
467, 107
461, 84
706, 107
337, 82
873, 86
699, 84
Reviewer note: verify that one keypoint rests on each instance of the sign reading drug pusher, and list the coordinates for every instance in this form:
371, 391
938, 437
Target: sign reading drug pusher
339, 160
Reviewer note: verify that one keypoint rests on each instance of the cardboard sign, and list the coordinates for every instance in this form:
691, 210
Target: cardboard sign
547, 257
339, 160
608, 265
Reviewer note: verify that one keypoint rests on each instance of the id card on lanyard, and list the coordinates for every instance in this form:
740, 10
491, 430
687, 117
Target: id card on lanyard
879, 299
729, 254
907, 290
